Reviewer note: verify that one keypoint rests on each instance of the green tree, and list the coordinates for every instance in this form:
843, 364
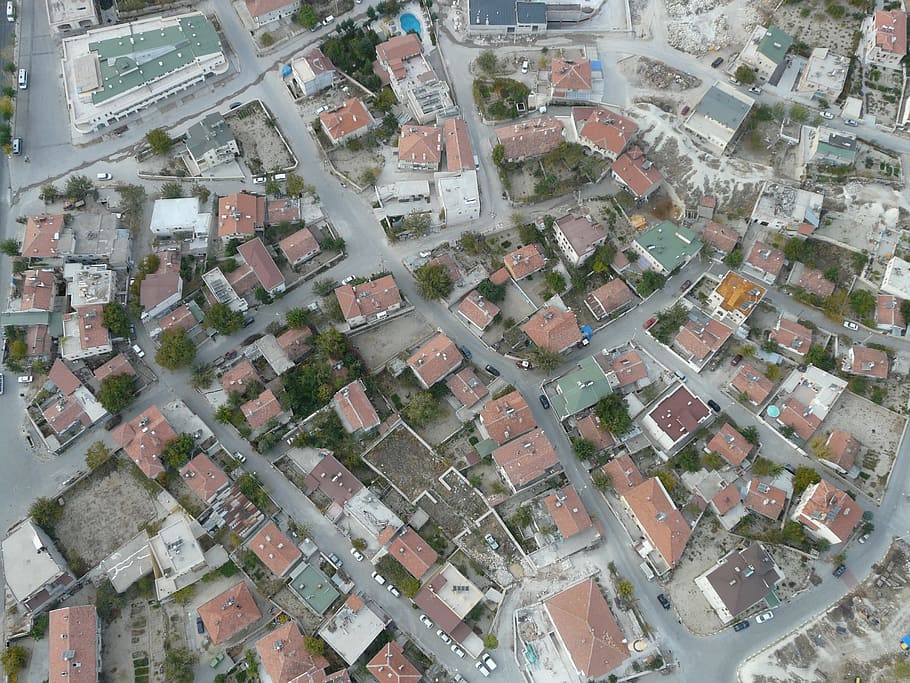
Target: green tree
332, 344
39, 626
417, 222
625, 590
863, 303
262, 296
272, 187
545, 359
750, 434
325, 286
9, 247
201, 192
176, 349
487, 62
293, 185
905, 309
297, 318
584, 448
117, 392
603, 258
172, 190
433, 281
651, 281
202, 376
178, 665
804, 477
491, 292
555, 281
359, 544
115, 318
159, 141
49, 193
14, 658
772, 372
315, 646
45, 512
178, 450
222, 319
614, 414
734, 259
712, 461
819, 357
107, 601
498, 155
744, 74
763, 467
78, 187
422, 409
368, 177
307, 17
799, 113
601, 480
96, 455
490, 641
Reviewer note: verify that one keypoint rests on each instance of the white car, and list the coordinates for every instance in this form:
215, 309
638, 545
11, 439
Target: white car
104, 176
393, 590
348, 280
426, 254
259, 180
239, 457
482, 669
443, 636
763, 617
138, 351
864, 538
488, 661
379, 578
850, 325
827, 115
25, 379
457, 650
357, 554
425, 620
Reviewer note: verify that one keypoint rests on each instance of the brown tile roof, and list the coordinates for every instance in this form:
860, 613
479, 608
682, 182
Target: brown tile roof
466, 387
459, 153
447, 261
261, 409
240, 214
354, 408
299, 245
276, 550
293, 342
64, 413
507, 417
568, 512
589, 428
530, 138
42, 235
260, 8
753, 383
701, 340
588, 629
738, 293
552, 329
523, 262
726, 499
229, 613
144, 438
731, 445
238, 513
318, 62
333, 479
624, 473
118, 365
582, 234
766, 500
346, 119
888, 311
891, 31
63, 378
570, 75
477, 310
815, 282
637, 173
794, 415
526, 459
38, 341
843, 448
720, 236
610, 297
164, 282
435, 359
92, 334
390, 665
284, 656
603, 128
792, 336
767, 259
180, 317
500, 277
679, 414
204, 477
861, 360
243, 279
239, 377
414, 553
400, 47
282, 210
73, 639
659, 519
420, 145
627, 368
368, 298
37, 290
258, 258
825, 505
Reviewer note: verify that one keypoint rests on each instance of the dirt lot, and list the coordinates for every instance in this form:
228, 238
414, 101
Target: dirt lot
352, 161
883, 92
404, 461
810, 23
378, 345
260, 144
858, 637
102, 512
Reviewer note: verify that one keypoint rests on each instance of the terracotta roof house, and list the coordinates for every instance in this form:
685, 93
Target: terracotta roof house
240, 215
813, 281
590, 429
83, 334
74, 644
624, 473
530, 138
568, 512
841, 451
603, 131
391, 666
571, 79
507, 417
275, 549
354, 409
144, 438
500, 276
258, 258
266, 11
888, 316
419, 148
587, 630
720, 236
37, 291
523, 461
477, 310
524, 261
861, 360
38, 341
734, 299
204, 477
827, 513
162, 289
42, 236
66, 414
459, 153
791, 336
725, 500
624, 371
613, 297
401, 47
466, 387
766, 500
239, 377
696, 341
63, 378
261, 409
414, 553
885, 38
299, 247
796, 415
333, 479
231, 508
181, 317
118, 365
739, 581
347, 121
766, 262
578, 237
293, 343
553, 330
730, 445
285, 658
369, 301
229, 613
675, 419
652, 509
434, 360
636, 174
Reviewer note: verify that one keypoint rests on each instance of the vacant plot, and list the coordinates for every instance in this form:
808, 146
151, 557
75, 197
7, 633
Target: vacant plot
405, 462
380, 344
257, 135
818, 23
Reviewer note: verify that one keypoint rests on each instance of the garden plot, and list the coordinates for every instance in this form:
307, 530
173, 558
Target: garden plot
816, 24
556, 174
882, 88
261, 145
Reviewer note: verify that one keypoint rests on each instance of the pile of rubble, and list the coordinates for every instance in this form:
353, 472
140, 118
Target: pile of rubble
658, 75
696, 34
696, 37
689, 8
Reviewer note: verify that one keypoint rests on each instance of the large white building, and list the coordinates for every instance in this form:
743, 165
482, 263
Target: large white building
897, 278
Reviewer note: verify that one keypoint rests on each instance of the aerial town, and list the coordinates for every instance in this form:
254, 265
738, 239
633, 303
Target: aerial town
411, 341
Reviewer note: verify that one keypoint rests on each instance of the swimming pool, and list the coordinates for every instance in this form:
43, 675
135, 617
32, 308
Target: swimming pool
409, 23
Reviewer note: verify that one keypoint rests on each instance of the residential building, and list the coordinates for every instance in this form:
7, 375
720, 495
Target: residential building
785, 207
257, 257
265, 12
275, 550
530, 138
507, 418
675, 419
352, 629
791, 336
299, 247
840, 451
161, 290
172, 217
832, 147
144, 438
459, 153
697, 341
183, 317
568, 512
284, 655
231, 509
805, 399
580, 388
602, 130
313, 72
293, 343
36, 573
888, 315
623, 473
666, 247
624, 370
765, 53
176, 555
209, 143
466, 387
239, 378
717, 118
412, 79
204, 477
313, 588
824, 75
229, 614
524, 261
434, 360
587, 630
726, 502
333, 479
419, 147
591, 429
896, 280
74, 644
37, 291
637, 174
884, 41
349, 120
578, 237
663, 526
510, 17
42, 237
571, 79
720, 236
391, 666
613, 298
105, 80
478, 311
764, 262
459, 197
740, 580
734, 299
413, 553
118, 365
357, 414
827, 513
260, 410
88, 285
861, 360
84, 335
810, 280
764, 499
553, 330
521, 462
240, 215
65, 16
369, 301
753, 384
731, 445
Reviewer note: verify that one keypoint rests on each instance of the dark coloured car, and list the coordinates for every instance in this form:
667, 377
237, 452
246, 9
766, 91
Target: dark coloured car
685, 110
841, 568
466, 352
249, 320
230, 355
200, 627
741, 626
492, 370
685, 285
545, 402
649, 322
113, 421
234, 105
717, 62
736, 359
664, 602
714, 405
790, 468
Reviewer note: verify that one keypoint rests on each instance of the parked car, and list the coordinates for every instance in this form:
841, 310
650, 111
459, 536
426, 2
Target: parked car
443, 636
685, 110
25, 379
348, 280
544, 401
755, 90
488, 661
717, 62
111, 422
840, 570
484, 671
104, 176
685, 285
864, 538
741, 626
378, 578
426, 254
459, 678
850, 325
230, 355
680, 376
583, 342
393, 590
249, 320
491, 541
466, 352
790, 468
714, 405
827, 115
138, 351
200, 627
733, 80
524, 364
335, 560
235, 105
357, 554
425, 620
457, 650
216, 660
852, 122
763, 617
736, 359
649, 322
259, 180
492, 370
664, 601
524, 66
239, 457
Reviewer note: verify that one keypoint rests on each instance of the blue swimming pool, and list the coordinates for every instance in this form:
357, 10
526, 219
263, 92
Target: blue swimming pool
410, 23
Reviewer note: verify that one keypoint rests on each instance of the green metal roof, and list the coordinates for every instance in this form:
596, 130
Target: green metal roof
210, 133
128, 62
775, 44
485, 447
581, 388
669, 244
54, 321
833, 150
314, 588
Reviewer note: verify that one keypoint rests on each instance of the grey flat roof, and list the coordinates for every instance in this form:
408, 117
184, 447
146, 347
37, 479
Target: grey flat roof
531, 12
492, 12
723, 108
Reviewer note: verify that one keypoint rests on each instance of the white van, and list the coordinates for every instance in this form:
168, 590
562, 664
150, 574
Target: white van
23, 79
10, 13
328, 20
280, 176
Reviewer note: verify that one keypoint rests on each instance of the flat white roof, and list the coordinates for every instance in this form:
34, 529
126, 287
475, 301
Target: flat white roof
26, 569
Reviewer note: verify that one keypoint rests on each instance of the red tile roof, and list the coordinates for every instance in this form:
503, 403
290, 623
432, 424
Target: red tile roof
459, 153
64, 413
42, 235
368, 298
679, 415
552, 329
391, 666
400, 47
293, 342
447, 261
477, 310
815, 282
414, 553
589, 428
888, 311
523, 262
604, 129
204, 477
163, 283
37, 290
261, 409
333, 479
794, 415
701, 340
608, 298
634, 171
258, 258
721, 237
180, 317
239, 377
731, 445
861, 360
792, 336
118, 365
354, 408
284, 656
826, 506
299, 245
349, 118
420, 145
624, 473
726, 499
767, 259
229, 613
891, 31
73, 644
568, 512
526, 459
530, 138
63, 378
276, 550
626, 368
753, 383
507, 417
466, 387
658, 517
38, 341
260, 8
144, 438
92, 334
766, 500
843, 448
500, 276
568, 75
240, 214
435, 359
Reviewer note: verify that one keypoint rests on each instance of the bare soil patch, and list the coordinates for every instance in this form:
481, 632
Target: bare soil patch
257, 135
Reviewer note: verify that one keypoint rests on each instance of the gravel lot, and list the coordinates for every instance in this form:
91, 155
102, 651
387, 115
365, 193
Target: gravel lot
378, 345
259, 139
